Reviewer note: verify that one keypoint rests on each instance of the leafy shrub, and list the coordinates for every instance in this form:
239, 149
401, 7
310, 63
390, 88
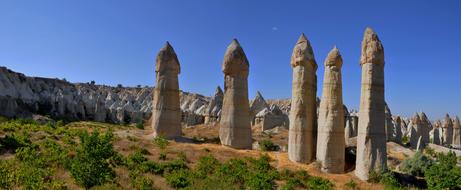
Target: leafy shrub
351, 184
161, 142
444, 174
416, 165
139, 181
386, 178
178, 178
318, 183
6, 174
267, 145
14, 141
91, 166
162, 156
206, 165
140, 126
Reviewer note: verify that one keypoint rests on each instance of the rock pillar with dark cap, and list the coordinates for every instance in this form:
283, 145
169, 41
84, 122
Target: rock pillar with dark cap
166, 113
235, 128
302, 129
330, 139
371, 138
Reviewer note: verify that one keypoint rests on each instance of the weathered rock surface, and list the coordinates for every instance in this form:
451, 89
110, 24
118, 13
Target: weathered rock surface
302, 131
213, 111
166, 113
371, 138
330, 139
447, 128
456, 133
235, 128
436, 137
397, 132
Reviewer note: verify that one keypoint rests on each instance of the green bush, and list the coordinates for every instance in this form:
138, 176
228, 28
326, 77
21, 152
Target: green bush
14, 141
91, 166
416, 165
267, 145
161, 142
386, 178
444, 174
351, 184
318, 183
140, 126
178, 178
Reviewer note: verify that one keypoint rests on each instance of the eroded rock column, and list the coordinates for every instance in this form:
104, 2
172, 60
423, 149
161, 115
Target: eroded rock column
456, 133
302, 130
371, 138
235, 128
166, 112
330, 140
447, 129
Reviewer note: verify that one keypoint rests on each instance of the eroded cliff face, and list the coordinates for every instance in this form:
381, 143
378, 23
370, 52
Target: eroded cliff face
22, 96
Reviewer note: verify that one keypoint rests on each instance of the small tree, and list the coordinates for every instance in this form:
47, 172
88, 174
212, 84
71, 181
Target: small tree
444, 174
91, 166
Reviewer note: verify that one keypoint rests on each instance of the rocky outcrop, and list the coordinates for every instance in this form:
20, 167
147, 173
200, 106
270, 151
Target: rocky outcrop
371, 138
213, 111
22, 96
302, 135
258, 104
235, 128
166, 113
330, 140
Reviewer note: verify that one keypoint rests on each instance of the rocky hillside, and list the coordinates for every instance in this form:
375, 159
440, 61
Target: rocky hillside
22, 96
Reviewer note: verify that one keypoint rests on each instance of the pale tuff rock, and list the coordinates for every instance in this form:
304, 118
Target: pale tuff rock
426, 127
389, 125
235, 129
420, 145
302, 131
213, 110
436, 137
330, 139
258, 104
447, 128
265, 116
272, 117
456, 133
416, 131
166, 112
371, 139
397, 132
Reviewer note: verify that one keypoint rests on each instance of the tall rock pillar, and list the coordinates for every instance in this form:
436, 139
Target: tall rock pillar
302, 129
235, 128
447, 129
330, 139
456, 133
166, 113
371, 138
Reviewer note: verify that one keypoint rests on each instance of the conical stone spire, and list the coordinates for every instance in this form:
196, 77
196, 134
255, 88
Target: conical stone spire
235, 129
436, 133
302, 135
371, 138
166, 113
425, 127
447, 128
417, 128
456, 133
330, 144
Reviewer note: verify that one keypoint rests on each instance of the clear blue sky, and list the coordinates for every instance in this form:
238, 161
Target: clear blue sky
115, 42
